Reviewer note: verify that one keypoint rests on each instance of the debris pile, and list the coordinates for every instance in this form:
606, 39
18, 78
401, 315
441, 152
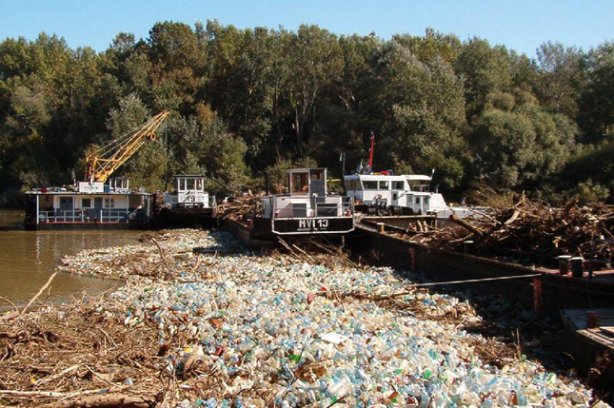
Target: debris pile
223, 327
241, 207
533, 231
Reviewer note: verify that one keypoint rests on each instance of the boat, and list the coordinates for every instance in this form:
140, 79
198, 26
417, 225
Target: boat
88, 204
93, 203
399, 194
307, 208
384, 193
189, 204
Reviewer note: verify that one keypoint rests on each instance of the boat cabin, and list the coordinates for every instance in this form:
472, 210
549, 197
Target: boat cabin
189, 193
407, 191
307, 207
89, 204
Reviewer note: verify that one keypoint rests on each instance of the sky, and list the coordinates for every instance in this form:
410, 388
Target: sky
521, 25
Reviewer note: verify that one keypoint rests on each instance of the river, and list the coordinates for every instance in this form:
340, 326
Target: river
28, 258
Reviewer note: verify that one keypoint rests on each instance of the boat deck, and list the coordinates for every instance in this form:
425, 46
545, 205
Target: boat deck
602, 335
591, 347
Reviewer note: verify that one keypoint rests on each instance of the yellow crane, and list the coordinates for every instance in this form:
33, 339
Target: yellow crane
102, 162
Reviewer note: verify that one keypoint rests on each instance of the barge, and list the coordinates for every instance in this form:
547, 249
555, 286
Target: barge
188, 205
89, 205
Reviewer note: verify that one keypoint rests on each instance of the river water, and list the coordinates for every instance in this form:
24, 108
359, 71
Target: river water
28, 258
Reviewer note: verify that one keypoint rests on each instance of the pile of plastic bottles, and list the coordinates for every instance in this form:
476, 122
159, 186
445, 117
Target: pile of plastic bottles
299, 331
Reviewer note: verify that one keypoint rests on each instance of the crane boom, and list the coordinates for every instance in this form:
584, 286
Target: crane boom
101, 163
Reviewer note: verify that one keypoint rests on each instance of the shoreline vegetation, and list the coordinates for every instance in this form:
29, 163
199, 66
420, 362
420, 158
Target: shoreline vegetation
249, 101
201, 321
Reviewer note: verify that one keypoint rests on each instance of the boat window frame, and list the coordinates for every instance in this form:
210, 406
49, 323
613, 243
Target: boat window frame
299, 183
396, 183
89, 206
364, 185
383, 185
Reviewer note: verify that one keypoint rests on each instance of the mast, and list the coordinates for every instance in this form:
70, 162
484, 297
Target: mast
371, 150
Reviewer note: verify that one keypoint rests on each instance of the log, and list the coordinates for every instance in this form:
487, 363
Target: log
466, 225
45, 286
512, 218
107, 401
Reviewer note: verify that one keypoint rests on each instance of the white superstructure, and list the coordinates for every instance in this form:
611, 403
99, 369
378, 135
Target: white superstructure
189, 193
406, 191
90, 203
307, 207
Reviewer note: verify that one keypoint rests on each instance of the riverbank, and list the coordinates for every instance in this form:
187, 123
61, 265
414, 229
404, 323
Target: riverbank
202, 322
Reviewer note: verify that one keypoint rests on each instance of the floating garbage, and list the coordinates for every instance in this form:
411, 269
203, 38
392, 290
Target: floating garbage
237, 329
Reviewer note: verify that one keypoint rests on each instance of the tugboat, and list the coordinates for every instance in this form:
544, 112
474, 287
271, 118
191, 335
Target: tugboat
189, 204
407, 194
399, 194
305, 209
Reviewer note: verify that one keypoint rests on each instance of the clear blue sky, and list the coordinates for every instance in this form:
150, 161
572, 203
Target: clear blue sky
521, 25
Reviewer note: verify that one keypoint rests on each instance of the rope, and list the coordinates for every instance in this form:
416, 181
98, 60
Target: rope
458, 282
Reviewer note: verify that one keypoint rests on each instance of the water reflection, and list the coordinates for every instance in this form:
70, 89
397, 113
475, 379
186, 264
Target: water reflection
28, 258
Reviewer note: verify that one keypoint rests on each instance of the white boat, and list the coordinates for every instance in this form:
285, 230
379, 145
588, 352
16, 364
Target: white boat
306, 209
188, 205
90, 204
189, 194
406, 193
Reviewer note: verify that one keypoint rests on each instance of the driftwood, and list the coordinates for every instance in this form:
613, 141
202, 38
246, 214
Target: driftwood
466, 225
532, 231
107, 401
45, 286
16, 313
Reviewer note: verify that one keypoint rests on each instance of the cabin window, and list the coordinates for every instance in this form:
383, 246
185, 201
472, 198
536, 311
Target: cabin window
300, 184
398, 185
190, 184
383, 184
370, 184
199, 184
109, 203
86, 203
316, 175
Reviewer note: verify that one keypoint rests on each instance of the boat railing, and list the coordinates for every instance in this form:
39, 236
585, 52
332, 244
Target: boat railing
83, 216
60, 216
114, 215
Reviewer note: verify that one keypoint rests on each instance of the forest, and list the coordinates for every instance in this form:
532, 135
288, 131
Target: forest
249, 101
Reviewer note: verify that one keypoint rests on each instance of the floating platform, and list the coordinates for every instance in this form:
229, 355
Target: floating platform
589, 338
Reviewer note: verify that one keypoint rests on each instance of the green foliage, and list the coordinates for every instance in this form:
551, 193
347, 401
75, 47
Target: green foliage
518, 149
589, 192
246, 100
592, 166
597, 97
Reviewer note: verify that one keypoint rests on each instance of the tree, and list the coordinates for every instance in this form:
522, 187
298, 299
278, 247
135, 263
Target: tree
316, 61
484, 70
518, 148
597, 98
561, 75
